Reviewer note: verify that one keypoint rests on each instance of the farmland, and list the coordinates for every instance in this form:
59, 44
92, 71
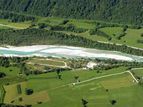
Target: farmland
54, 92
48, 62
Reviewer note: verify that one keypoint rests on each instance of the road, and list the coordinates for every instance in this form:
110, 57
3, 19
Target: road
95, 78
109, 75
65, 64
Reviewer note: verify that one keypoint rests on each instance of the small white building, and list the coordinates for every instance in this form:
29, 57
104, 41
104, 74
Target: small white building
91, 65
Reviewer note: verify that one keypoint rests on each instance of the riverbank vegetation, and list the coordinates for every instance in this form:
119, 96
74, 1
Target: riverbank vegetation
43, 37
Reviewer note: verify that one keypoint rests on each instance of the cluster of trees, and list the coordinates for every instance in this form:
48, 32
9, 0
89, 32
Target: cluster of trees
7, 61
2, 74
78, 63
9, 105
107, 24
108, 10
140, 41
100, 33
4, 62
41, 36
14, 17
69, 27
123, 33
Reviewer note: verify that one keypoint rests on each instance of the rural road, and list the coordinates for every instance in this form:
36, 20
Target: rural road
65, 64
95, 78
111, 75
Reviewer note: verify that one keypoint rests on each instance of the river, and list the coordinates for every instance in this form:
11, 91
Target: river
65, 51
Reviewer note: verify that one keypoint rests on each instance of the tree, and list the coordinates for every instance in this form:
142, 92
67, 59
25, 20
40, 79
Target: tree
76, 78
113, 102
42, 25
29, 91
84, 102
2, 74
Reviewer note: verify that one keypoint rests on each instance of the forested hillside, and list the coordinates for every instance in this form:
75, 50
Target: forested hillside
121, 11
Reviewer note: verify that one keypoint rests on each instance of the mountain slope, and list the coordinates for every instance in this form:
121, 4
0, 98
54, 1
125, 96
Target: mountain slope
121, 11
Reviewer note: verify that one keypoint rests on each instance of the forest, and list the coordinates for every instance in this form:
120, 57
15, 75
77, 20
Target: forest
14, 17
120, 11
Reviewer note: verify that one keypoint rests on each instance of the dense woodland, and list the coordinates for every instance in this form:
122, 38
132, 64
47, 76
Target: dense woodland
14, 17
124, 11
41, 36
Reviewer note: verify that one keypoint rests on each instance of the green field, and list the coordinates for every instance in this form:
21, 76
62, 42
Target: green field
8, 24
53, 92
138, 72
130, 39
50, 62
122, 87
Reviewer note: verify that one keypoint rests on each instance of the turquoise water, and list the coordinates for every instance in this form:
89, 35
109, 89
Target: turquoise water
11, 52
6, 52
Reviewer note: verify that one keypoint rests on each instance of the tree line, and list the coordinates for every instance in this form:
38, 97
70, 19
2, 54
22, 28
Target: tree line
45, 37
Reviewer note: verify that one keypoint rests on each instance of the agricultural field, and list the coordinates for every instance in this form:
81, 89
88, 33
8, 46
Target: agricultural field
98, 88
48, 62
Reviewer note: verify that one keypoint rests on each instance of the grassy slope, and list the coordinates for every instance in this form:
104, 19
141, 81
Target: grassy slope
130, 39
20, 25
97, 97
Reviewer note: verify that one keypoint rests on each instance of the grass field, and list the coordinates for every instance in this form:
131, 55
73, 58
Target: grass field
12, 77
47, 62
7, 24
12, 96
138, 72
53, 92
94, 92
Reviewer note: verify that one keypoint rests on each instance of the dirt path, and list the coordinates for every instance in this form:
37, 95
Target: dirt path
65, 64
95, 78
10, 26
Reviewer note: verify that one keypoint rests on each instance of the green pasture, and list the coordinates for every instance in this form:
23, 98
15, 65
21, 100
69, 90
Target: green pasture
54, 92
95, 93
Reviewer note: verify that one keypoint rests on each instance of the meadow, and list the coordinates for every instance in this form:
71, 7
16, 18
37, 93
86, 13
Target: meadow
130, 39
49, 91
132, 35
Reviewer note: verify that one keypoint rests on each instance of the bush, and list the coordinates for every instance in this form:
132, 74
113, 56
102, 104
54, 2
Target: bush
29, 91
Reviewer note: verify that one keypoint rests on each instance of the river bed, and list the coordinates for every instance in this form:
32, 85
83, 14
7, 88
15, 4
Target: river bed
65, 51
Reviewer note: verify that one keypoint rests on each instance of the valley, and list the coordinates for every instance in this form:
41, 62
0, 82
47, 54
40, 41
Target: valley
86, 54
